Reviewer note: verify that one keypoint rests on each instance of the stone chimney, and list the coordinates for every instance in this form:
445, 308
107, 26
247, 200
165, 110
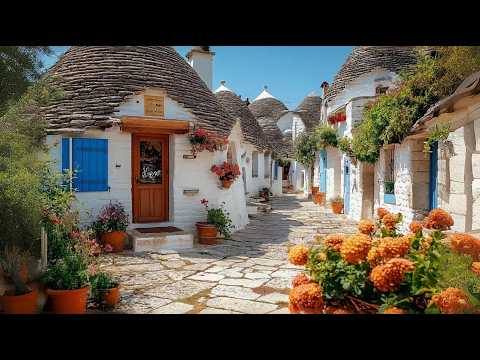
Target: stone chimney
324, 86
200, 59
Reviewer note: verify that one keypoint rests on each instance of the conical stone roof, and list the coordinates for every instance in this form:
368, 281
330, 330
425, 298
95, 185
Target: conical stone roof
309, 110
365, 59
251, 130
96, 79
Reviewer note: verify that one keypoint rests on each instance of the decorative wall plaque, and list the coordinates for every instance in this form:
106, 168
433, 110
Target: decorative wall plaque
154, 105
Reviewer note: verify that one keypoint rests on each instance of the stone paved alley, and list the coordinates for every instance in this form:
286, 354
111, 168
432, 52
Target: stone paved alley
247, 274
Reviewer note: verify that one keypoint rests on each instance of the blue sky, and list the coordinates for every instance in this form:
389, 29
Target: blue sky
290, 72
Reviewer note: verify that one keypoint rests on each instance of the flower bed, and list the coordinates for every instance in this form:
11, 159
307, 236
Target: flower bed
380, 270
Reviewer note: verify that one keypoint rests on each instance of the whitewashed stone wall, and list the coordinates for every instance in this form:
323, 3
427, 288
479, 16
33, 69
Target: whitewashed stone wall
185, 174
411, 182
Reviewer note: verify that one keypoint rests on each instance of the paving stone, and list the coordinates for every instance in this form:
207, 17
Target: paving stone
179, 290
257, 275
283, 310
279, 283
267, 262
174, 264
238, 292
232, 273
245, 306
173, 308
215, 269
285, 273
274, 298
207, 277
210, 310
197, 267
139, 304
243, 282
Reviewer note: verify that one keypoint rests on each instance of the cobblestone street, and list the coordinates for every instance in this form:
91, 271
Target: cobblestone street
247, 274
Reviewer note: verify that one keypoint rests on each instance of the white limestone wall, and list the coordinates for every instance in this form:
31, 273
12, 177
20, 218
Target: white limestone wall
411, 182
334, 172
276, 187
297, 126
254, 184
285, 122
298, 176
476, 171
185, 174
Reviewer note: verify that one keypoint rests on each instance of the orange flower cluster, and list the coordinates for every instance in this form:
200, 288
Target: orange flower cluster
452, 301
355, 248
438, 219
366, 227
476, 267
381, 212
389, 276
415, 226
334, 241
388, 248
306, 298
425, 244
394, 310
298, 254
465, 244
390, 220
300, 279
337, 310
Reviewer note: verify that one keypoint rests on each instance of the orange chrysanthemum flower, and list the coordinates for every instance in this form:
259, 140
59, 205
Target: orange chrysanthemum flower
366, 227
298, 254
415, 226
381, 212
334, 241
476, 267
300, 279
388, 248
355, 248
306, 298
465, 244
394, 310
438, 219
389, 276
390, 220
452, 301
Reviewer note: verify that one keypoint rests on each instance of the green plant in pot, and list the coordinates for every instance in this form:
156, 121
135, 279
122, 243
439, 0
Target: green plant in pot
68, 279
105, 289
218, 221
20, 298
111, 224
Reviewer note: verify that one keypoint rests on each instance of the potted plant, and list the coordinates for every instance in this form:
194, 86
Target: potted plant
105, 289
218, 220
227, 173
202, 139
20, 299
337, 204
265, 193
68, 279
112, 223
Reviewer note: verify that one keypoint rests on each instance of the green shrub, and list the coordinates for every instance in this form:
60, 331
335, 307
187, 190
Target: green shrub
305, 149
325, 135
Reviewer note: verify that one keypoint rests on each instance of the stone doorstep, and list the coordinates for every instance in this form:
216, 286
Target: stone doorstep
177, 240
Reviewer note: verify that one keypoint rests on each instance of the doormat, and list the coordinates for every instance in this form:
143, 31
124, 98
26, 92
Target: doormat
156, 230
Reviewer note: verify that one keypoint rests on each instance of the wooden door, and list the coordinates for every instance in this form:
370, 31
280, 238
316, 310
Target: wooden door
150, 178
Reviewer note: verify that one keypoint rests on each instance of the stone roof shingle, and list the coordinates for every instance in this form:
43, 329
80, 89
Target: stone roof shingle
238, 109
96, 79
365, 59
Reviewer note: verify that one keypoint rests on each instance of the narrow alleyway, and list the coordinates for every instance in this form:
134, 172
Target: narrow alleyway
247, 274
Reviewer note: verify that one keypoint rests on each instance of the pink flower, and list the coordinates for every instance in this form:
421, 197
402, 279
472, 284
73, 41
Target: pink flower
92, 270
107, 248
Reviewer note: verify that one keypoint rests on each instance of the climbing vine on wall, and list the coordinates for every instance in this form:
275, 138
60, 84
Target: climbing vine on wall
389, 119
438, 133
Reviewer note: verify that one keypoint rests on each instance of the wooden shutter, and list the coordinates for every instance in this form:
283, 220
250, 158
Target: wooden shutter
90, 164
65, 154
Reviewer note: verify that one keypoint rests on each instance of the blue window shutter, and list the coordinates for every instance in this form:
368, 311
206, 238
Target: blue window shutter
65, 154
90, 163
275, 169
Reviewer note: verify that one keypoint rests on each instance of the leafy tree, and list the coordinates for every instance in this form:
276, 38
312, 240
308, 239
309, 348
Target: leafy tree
20, 67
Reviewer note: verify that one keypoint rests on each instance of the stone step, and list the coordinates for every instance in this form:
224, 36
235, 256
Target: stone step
152, 242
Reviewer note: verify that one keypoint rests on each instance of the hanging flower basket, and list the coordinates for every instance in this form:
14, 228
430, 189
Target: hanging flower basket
202, 139
227, 173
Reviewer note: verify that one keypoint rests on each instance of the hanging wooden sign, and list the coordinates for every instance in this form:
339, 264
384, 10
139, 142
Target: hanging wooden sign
154, 105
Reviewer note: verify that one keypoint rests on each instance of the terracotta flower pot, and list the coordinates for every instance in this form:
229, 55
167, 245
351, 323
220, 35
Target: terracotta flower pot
337, 207
69, 301
314, 198
207, 233
227, 183
116, 239
320, 198
315, 190
111, 297
20, 304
